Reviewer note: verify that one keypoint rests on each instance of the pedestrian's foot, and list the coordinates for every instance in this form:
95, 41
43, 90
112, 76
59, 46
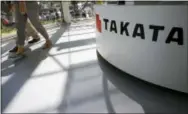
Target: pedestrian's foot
48, 44
14, 50
34, 40
18, 53
20, 50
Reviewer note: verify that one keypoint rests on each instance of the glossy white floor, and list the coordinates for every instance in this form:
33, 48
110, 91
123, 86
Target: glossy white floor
67, 78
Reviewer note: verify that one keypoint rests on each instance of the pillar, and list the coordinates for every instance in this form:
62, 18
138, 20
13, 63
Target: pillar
66, 11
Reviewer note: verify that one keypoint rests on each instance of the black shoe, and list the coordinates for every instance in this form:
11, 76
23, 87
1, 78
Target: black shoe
34, 41
14, 50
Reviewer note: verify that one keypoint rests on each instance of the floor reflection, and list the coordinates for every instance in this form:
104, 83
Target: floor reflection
152, 98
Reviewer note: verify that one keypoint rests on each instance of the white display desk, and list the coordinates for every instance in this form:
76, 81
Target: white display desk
149, 42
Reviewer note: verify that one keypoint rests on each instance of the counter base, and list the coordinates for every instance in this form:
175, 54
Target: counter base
105, 64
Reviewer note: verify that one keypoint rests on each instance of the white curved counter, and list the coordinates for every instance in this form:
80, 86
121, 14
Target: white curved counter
148, 42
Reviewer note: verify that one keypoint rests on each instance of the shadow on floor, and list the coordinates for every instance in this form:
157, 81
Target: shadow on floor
19, 78
29, 64
152, 98
66, 101
108, 101
77, 34
23, 70
77, 43
7, 46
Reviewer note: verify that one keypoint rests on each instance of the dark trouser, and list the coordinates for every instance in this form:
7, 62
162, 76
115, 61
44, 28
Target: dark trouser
32, 14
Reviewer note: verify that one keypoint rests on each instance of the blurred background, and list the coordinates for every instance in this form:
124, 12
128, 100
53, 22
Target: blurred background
50, 12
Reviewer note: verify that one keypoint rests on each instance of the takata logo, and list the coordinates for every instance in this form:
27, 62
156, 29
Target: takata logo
138, 30
98, 23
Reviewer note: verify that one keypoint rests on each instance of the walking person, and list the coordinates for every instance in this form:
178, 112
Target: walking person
30, 30
28, 10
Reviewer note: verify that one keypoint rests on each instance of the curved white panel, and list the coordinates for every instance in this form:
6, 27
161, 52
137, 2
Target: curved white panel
149, 42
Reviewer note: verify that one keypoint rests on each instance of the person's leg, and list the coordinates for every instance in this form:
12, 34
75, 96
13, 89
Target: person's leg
33, 15
30, 30
20, 26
